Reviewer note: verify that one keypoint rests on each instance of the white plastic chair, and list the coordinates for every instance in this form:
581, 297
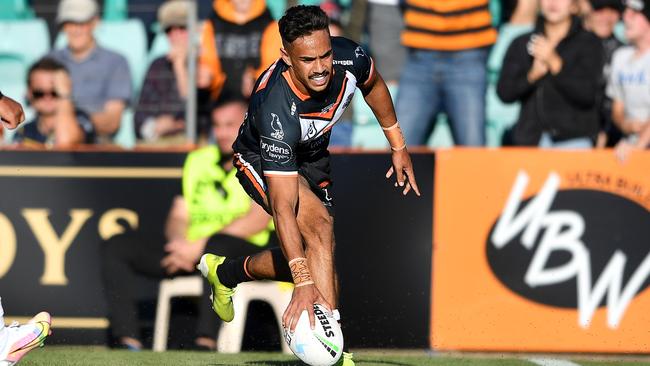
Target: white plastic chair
229, 340
276, 294
175, 287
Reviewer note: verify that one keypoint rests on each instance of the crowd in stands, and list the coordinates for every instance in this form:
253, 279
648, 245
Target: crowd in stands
547, 73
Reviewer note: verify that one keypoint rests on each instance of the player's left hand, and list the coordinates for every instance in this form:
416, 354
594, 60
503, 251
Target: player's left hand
182, 256
404, 168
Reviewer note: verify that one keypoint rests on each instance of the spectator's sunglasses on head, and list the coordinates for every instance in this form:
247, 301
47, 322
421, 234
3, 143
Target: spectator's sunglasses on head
39, 94
175, 27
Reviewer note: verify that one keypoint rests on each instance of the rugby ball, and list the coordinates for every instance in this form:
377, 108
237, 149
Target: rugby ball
322, 346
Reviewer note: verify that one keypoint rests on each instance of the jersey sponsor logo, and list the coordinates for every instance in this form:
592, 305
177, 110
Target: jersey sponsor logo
358, 52
275, 150
344, 62
276, 125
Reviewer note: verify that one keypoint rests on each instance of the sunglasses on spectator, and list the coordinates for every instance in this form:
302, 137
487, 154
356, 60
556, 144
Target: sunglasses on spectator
175, 27
38, 94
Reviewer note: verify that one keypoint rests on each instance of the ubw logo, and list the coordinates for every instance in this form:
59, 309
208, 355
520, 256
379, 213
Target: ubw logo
553, 251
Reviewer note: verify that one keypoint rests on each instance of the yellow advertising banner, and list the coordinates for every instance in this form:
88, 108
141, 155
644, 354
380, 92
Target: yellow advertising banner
541, 250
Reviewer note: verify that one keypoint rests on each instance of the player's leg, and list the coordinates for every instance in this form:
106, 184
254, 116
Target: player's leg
317, 228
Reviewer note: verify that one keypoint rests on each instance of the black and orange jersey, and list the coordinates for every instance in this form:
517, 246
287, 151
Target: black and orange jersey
285, 127
231, 45
448, 25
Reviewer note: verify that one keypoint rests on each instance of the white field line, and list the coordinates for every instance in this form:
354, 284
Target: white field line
551, 362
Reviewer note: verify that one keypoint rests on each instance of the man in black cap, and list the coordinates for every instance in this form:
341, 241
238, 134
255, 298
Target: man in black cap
601, 20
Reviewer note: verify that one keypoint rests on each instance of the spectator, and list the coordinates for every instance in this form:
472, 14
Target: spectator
58, 123
160, 112
629, 82
214, 213
554, 73
145, 10
239, 41
445, 69
384, 23
100, 78
600, 18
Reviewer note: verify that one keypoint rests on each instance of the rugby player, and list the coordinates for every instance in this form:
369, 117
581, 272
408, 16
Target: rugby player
283, 162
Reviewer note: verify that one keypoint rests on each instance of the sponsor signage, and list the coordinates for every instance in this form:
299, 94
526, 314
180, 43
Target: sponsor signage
541, 251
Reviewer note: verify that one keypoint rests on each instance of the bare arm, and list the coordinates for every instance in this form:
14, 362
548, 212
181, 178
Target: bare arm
67, 131
283, 194
255, 220
644, 137
107, 121
177, 220
626, 125
378, 98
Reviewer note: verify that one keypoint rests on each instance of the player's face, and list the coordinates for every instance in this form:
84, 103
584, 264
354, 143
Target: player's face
311, 60
41, 92
225, 125
80, 35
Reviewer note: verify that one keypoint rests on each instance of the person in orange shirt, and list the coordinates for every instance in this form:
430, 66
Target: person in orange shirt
239, 41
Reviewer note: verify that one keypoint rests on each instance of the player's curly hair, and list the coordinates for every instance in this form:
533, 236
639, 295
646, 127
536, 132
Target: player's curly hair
302, 20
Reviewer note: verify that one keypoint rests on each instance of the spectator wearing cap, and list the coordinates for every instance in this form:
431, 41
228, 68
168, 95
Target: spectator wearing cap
554, 72
629, 82
101, 80
239, 41
601, 17
57, 122
160, 111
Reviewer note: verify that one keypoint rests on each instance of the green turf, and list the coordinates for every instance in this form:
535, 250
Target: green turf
95, 356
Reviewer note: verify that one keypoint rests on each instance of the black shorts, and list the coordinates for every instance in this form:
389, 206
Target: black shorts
316, 173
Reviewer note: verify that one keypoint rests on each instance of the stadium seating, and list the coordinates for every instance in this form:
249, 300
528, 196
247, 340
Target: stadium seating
29, 39
500, 116
15, 10
115, 10
159, 47
367, 133
126, 37
276, 7
125, 136
13, 73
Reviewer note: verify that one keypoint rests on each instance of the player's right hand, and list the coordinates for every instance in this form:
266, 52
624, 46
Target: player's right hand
403, 169
303, 298
11, 112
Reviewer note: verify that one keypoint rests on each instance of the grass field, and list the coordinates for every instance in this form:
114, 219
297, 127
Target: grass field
95, 356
